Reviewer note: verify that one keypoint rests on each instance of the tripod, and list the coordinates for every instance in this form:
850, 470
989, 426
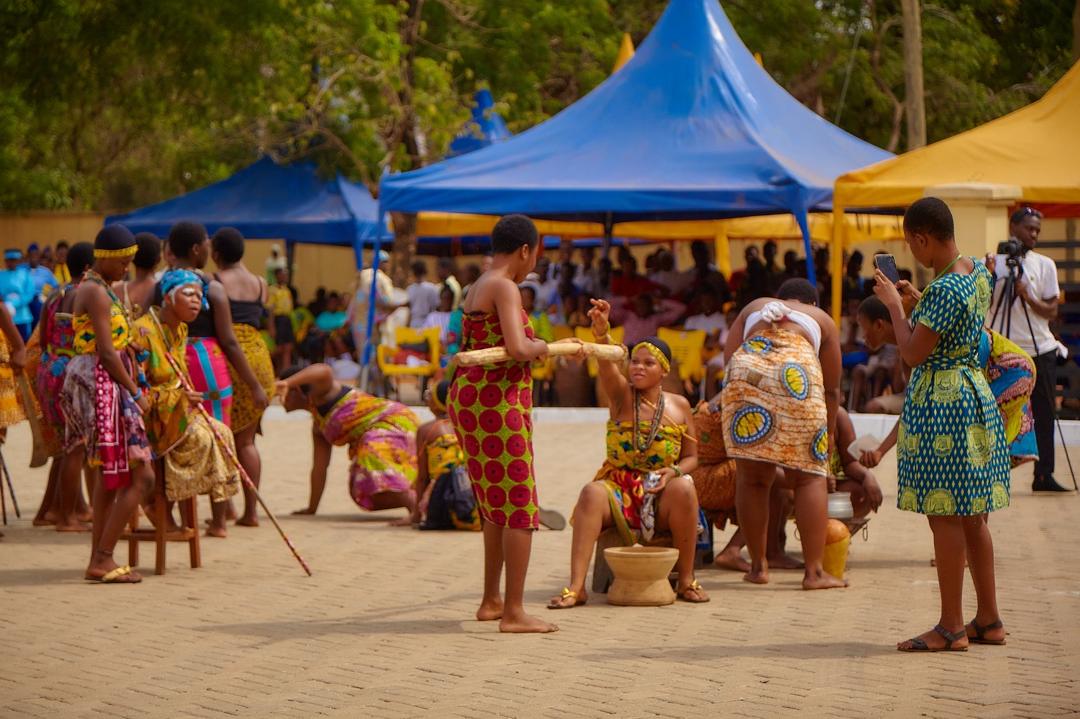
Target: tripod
1004, 327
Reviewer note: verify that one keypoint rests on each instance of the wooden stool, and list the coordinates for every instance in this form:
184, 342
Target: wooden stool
602, 575
189, 528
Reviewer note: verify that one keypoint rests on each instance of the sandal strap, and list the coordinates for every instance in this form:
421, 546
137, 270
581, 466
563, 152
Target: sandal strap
980, 630
567, 594
950, 637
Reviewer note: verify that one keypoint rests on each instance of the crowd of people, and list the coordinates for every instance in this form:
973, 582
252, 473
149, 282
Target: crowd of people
146, 371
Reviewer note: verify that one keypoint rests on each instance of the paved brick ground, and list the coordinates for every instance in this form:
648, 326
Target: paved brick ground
383, 628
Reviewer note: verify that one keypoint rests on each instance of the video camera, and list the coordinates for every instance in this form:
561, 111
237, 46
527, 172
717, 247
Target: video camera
1013, 251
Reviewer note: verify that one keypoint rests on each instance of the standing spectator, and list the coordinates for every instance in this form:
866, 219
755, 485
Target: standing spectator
423, 295
279, 302
440, 318
854, 284
47, 260
445, 270
586, 281
703, 276
738, 277
17, 289
1036, 299
60, 268
773, 274
42, 278
276, 261
384, 304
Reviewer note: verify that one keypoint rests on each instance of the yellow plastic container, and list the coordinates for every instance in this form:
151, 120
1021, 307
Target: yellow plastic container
838, 539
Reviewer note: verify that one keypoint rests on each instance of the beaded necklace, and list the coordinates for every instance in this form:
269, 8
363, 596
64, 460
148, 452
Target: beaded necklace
654, 427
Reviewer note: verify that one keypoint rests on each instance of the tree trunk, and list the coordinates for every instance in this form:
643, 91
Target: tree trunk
404, 247
1076, 32
914, 98
405, 224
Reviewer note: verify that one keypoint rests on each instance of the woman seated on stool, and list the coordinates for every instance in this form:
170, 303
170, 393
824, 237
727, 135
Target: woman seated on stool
645, 435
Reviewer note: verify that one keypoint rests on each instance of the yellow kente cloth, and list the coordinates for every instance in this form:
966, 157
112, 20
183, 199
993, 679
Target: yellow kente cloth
773, 403
244, 414
194, 462
86, 340
625, 468
11, 409
443, 454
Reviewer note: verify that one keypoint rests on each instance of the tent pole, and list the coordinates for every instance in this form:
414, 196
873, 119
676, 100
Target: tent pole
723, 253
609, 231
365, 363
836, 258
804, 227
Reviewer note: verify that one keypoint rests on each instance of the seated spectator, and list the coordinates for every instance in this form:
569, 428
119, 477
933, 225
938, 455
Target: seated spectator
423, 295
573, 311
875, 324
628, 283
667, 276
703, 277
709, 317
333, 317
440, 316
539, 319
643, 316
317, 305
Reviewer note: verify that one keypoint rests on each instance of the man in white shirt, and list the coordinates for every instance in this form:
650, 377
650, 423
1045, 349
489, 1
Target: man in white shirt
1037, 292
423, 296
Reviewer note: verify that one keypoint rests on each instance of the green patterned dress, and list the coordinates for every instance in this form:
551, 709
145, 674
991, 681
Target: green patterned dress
951, 449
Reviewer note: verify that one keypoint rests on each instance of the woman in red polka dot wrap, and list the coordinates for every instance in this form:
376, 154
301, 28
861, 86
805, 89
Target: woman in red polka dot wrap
489, 406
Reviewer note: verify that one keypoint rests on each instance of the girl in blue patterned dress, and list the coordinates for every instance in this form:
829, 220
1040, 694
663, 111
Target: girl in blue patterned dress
953, 462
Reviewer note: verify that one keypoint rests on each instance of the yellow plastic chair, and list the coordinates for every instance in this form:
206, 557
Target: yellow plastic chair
562, 332
384, 356
585, 335
686, 349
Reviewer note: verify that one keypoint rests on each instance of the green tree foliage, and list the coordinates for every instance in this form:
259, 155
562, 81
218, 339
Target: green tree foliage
113, 103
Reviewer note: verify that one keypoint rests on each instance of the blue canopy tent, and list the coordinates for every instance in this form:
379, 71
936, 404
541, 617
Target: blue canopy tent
692, 127
267, 200
486, 127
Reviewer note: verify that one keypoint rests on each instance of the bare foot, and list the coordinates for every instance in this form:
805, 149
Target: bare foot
215, 531
757, 576
247, 522
45, 521
73, 527
731, 561
230, 511
85, 515
785, 561
489, 611
823, 581
306, 511
526, 624
401, 522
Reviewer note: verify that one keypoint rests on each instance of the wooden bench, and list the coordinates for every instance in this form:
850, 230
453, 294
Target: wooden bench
189, 528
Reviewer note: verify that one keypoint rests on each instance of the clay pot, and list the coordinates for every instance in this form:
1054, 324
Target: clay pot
641, 575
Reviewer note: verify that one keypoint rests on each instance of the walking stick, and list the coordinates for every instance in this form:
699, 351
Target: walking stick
11, 487
225, 446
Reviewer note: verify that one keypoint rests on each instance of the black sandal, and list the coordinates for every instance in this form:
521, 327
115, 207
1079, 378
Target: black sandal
920, 645
980, 633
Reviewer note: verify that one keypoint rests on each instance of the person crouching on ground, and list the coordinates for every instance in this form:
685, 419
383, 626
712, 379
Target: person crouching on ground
103, 404
650, 435
441, 502
380, 434
779, 401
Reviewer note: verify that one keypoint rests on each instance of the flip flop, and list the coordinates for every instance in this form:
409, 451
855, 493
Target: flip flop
552, 519
693, 586
980, 633
920, 645
567, 594
119, 575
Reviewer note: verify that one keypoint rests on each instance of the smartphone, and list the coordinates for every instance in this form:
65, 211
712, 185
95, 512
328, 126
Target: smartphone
887, 265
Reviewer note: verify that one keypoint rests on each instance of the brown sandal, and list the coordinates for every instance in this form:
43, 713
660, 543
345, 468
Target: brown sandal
693, 586
920, 645
980, 633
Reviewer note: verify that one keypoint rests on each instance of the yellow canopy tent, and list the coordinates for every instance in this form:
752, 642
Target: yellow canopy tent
626, 51
1036, 148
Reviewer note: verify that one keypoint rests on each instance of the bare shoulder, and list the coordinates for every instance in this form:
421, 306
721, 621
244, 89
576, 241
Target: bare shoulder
823, 318
680, 406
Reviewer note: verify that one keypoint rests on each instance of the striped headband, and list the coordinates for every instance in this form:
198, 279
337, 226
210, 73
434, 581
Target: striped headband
655, 352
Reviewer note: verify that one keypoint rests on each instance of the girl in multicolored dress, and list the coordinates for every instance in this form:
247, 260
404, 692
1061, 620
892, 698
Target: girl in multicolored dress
650, 437
439, 504
490, 407
103, 403
953, 462
57, 339
380, 435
